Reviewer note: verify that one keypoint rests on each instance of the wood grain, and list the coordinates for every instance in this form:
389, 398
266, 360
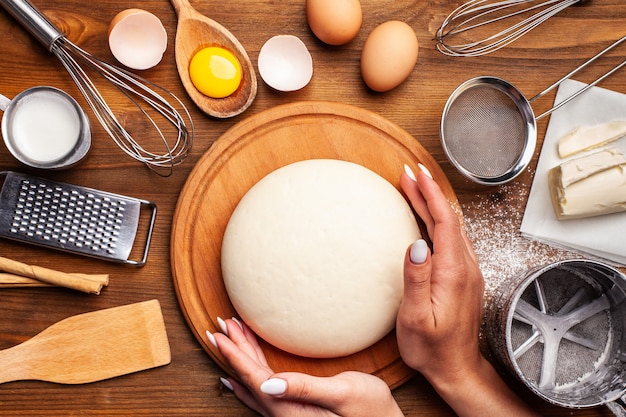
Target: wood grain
189, 386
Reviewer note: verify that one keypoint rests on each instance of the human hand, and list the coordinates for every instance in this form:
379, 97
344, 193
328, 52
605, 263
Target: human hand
439, 318
348, 394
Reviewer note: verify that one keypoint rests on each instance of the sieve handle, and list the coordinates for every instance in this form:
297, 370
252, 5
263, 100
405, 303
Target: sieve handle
617, 407
587, 87
34, 21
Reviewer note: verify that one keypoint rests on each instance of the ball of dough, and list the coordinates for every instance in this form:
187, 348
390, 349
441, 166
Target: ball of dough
313, 256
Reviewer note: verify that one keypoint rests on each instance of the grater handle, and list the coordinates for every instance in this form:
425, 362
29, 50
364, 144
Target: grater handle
146, 245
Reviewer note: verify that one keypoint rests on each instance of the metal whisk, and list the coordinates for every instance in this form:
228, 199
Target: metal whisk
137, 89
485, 19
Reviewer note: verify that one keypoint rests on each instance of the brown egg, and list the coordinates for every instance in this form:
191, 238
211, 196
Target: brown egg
389, 55
335, 22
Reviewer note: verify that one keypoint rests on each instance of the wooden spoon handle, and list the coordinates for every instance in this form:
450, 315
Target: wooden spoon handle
181, 6
12, 368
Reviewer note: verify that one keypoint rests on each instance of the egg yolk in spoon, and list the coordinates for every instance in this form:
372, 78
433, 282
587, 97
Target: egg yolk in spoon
215, 72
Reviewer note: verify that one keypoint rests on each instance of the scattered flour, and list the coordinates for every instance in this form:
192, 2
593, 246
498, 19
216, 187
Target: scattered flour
493, 223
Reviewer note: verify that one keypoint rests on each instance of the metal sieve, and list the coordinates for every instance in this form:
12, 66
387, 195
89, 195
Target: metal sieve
488, 128
560, 330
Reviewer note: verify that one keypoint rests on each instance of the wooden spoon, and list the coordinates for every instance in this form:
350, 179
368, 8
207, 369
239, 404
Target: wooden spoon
195, 32
91, 347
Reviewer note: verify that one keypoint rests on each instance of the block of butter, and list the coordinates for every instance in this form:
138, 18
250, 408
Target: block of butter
584, 138
590, 185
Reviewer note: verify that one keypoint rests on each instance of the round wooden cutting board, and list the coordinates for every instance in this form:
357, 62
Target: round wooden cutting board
246, 153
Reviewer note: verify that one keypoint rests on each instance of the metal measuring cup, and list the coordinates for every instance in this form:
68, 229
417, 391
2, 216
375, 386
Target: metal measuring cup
44, 127
560, 329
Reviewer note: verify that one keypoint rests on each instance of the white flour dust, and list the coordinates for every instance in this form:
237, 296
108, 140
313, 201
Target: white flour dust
492, 222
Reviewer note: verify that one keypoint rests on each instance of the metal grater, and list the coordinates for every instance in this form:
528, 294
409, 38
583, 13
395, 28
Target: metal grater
72, 218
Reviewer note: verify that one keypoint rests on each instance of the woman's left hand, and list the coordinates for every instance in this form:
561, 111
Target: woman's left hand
293, 394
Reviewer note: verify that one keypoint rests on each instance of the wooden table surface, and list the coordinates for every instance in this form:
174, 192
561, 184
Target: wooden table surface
189, 385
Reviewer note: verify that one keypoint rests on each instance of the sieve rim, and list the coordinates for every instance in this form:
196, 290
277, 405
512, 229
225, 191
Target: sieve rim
526, 112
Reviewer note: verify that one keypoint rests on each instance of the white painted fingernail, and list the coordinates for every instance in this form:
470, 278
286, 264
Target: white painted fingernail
211, 338
222, 324
409, 172
425, 171
419, 252
236, 320
227, 383
274, 386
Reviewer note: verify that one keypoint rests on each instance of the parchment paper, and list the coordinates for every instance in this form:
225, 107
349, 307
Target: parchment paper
601, 237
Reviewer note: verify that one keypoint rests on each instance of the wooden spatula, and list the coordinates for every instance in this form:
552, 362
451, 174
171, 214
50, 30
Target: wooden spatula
91, 347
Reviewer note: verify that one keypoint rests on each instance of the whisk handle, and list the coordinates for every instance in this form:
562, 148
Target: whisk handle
33, 20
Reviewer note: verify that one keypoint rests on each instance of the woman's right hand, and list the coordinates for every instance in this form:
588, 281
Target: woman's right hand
439, 319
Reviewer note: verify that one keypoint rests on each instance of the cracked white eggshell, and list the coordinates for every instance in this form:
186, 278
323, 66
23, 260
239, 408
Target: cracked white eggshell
137, 39
285, 63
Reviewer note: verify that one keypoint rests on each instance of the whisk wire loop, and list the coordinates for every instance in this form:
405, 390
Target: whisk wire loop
483, 11
515, 31
131, 86
476, 14
134, 88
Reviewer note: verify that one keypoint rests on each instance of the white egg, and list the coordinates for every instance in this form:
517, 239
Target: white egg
137, 39
285, 63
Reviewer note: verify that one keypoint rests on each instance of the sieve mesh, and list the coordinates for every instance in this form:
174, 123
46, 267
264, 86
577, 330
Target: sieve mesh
484, 131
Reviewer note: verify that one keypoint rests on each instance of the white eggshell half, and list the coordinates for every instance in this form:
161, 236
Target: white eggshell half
137, 39
285, 63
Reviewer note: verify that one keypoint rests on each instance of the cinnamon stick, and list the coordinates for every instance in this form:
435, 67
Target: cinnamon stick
8, 280
51, 276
